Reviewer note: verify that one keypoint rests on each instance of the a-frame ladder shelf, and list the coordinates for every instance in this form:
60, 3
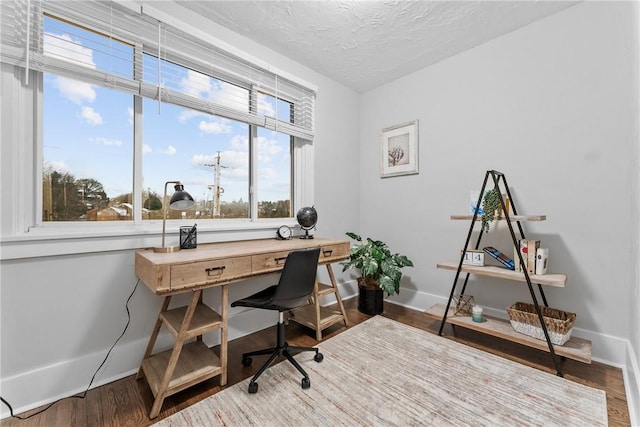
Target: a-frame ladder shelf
576, 348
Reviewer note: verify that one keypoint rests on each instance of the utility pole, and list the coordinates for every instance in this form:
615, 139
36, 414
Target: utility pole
217, 189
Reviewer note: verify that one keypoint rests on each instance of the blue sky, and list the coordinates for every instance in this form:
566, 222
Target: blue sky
88, 130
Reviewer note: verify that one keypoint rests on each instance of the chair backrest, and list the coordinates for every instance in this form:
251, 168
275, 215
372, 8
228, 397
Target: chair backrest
297, 278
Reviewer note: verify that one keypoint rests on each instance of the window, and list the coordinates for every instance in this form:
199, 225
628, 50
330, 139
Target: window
125, 109
87, 151
208, 154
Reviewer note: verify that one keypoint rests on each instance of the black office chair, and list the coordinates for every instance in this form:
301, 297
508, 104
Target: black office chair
293, 290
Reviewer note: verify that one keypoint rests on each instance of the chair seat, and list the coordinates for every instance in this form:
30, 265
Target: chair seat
262, 299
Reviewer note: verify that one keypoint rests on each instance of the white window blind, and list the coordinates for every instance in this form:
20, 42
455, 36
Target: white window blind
151, 59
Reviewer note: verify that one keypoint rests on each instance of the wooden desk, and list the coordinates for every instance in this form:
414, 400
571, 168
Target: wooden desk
192, 270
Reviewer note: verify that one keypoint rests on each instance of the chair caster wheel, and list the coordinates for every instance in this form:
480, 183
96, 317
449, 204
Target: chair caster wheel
306, 383
253, 388
246, 361
318, 357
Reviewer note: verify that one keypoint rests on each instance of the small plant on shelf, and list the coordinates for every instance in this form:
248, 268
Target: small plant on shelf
490, 205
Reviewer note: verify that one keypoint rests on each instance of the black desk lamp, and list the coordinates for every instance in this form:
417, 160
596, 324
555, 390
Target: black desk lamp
180, 200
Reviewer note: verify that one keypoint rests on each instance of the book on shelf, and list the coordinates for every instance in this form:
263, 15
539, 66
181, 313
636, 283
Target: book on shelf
499, 256
532, 249
542, 257
528, 248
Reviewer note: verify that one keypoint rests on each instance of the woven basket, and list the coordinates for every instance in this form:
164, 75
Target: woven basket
524, 319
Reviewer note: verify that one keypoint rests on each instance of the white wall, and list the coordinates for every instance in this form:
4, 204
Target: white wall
59, 315
552, 105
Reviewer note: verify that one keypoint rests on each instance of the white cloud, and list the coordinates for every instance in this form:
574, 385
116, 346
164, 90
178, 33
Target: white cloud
215, 126
240, 143
268, 174
231, 160
265, 107
74, 90
196, 84
106, 141
62, 46
267, 148
204, 87
231, 96
88, 114
203, 159
169, 151
187, 115
146, 149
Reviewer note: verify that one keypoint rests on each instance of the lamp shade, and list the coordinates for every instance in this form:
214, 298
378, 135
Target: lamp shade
180, 199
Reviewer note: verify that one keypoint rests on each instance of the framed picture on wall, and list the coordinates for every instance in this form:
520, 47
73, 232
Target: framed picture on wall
399, 150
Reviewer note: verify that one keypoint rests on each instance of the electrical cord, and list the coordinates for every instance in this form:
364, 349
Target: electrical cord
84, 393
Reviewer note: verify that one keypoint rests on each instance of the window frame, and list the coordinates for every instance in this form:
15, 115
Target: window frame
22, 228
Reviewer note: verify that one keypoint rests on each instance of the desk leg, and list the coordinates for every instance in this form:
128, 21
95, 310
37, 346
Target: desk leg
154, 335
199, 337
175, 355
338, 298
316, 301
224, 332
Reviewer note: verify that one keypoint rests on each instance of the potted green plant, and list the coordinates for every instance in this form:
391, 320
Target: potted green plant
380, 272
490, 205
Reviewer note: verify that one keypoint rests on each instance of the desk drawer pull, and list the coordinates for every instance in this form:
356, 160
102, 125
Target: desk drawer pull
327, 252
215, 271
280, 260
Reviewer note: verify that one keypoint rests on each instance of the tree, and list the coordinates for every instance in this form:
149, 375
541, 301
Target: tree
66, 198
93, 194
66, 202
153, 202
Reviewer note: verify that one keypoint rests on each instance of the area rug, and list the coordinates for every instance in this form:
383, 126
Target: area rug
385, 373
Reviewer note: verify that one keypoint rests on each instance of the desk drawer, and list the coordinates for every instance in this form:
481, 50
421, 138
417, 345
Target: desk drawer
329, 253
268, 262
208, 272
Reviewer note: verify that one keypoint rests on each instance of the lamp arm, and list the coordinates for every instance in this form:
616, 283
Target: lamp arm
164, 207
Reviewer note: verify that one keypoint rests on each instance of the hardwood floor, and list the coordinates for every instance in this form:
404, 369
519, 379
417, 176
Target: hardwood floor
127, 402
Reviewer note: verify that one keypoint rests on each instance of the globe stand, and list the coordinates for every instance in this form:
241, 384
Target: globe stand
307, 218
306, 234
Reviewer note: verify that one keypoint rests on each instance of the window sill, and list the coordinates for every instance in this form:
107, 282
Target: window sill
69, 240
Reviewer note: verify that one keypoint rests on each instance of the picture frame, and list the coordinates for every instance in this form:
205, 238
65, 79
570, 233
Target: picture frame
399, 150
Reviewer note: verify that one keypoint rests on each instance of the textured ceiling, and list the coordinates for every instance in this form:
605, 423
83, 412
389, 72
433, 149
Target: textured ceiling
364, 44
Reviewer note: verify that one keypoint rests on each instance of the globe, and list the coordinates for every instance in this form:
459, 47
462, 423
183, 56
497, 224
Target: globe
307, 218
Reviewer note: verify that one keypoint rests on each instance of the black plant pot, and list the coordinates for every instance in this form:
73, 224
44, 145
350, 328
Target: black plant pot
370, 299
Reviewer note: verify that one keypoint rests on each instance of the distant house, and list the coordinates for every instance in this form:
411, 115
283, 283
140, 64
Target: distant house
122, 211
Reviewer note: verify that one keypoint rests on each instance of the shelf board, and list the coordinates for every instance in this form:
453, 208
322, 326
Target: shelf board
469, 217
204, 320
576, 348
551, 279
324, 289
306, 315
196, 363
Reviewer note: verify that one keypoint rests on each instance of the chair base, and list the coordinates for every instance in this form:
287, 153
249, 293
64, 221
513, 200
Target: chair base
282, 349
